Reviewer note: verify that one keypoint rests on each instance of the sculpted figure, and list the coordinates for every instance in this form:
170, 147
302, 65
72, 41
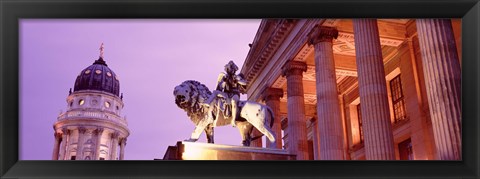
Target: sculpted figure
229, 87
192, 97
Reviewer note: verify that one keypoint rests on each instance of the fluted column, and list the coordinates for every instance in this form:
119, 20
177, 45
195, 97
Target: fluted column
328, 112
123, 142
56, 145
272, 96
297, 129
64, 143
373, 91
98, 143
113, 146
80, 142
443, 82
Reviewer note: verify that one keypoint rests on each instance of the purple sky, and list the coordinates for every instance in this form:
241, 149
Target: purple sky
150, 57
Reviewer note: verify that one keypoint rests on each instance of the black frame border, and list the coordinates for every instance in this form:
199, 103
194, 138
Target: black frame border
11, 11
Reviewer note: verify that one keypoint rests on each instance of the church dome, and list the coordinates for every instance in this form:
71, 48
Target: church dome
98, 77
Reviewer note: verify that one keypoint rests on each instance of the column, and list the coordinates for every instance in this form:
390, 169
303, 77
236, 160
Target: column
442, 72
272, 96
123, 142
64, 143
70, 145
373, 91
80, 142
328, 111
297, 129
113, 146
98, 143
56, 145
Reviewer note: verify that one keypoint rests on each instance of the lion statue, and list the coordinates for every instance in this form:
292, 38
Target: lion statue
191, 95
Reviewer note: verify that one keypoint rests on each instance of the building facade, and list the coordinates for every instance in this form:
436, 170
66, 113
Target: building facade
92, 127
360, 89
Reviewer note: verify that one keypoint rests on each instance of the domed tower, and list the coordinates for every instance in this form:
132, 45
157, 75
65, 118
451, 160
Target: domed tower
92, 127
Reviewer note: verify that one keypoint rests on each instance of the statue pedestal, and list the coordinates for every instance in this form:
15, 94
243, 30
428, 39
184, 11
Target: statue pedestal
205, 151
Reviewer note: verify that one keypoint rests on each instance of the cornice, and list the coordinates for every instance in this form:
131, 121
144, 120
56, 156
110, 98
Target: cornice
265, 45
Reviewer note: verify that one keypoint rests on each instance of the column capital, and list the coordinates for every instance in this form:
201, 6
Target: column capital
294, 68
270, 93
57, 135
65, 130
99, 130
114, 135
321, 34
82, 130
123, 141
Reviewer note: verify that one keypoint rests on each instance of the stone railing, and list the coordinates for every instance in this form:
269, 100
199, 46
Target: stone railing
90, 114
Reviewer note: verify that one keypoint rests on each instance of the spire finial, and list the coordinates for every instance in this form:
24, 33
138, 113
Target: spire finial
101, 51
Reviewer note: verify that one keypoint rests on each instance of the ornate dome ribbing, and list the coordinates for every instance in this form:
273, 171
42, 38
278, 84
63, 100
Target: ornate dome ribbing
98, 77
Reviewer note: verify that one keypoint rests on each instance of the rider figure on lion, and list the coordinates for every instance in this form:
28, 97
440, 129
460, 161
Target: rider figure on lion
229, 87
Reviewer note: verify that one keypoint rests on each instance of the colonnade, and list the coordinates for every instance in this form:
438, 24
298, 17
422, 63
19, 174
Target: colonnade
63, 144
442, 73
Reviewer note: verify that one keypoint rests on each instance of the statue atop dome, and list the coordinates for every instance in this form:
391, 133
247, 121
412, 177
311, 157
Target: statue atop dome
101, 51
98, 76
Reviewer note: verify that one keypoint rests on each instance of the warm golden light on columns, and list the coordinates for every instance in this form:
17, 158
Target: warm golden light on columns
297, 129
373, 91
56, 145
442, 72
272, 96
328, 111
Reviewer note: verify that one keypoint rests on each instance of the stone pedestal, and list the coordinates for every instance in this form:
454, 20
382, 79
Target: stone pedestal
442, 72
373, 91
206, 151
297, 129
272, 96
328, 112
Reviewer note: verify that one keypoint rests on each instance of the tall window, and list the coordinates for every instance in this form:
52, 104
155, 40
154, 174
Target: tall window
360, 126
284, 139
397, 99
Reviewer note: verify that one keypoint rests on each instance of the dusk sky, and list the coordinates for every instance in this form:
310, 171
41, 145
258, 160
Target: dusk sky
150, 58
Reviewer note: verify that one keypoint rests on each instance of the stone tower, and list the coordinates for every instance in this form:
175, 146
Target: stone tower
92, 127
